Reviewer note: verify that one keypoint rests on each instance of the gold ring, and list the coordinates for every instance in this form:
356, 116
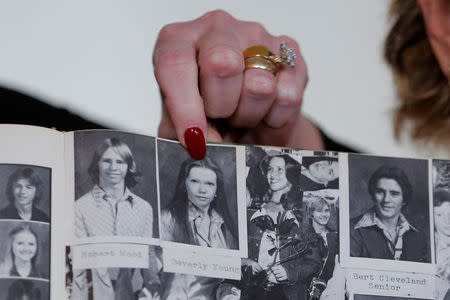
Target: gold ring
286, 55
259, 62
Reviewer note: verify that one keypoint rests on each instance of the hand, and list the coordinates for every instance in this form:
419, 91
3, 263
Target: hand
199, 67
235, 294
280, 273
247, 262
336, 284
146, 295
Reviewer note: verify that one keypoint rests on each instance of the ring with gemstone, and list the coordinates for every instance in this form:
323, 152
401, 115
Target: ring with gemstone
286, 55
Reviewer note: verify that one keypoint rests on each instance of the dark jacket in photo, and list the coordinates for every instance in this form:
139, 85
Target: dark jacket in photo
328, 253
306, 184
370, 242
10, 212
300, 269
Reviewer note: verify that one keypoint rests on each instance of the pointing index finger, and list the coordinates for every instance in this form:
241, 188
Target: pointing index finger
176, 71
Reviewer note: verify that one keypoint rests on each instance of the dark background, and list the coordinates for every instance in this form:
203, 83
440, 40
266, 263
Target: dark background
43, 286
361, 167
172, 155
42, 230
143, 149
45, 175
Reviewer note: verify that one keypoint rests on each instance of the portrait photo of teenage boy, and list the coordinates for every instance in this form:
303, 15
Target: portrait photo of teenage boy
115, 185
389, 208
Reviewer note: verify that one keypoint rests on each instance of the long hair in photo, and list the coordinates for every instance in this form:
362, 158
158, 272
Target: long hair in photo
9, 258
124, 151
178, 207
27, 174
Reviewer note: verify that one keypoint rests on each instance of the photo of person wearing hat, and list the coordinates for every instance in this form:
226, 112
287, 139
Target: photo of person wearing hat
319, 172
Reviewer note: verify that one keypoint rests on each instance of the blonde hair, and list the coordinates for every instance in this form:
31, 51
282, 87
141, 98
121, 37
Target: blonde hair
423, 90
8, 260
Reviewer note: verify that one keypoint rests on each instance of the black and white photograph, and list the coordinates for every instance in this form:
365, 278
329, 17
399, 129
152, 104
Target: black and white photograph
25, 192
389, 209
441, 208
25, 249
115, 283
320, 185
319, 171
283, 244
115, 185
198, 198
20, 289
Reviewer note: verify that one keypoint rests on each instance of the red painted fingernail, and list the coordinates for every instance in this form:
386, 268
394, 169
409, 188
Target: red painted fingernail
195, 142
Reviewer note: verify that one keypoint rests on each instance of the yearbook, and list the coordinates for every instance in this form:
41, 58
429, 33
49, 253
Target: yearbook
103, 214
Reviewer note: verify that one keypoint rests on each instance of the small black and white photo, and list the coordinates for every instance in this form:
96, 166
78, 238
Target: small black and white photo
25, 249
198, 198
389, 208
20, 289
319, 171
319, 183
441, 209
25, 192
115, 185
289, 231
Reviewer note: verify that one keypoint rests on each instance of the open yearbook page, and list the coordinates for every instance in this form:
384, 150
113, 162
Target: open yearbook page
102, 214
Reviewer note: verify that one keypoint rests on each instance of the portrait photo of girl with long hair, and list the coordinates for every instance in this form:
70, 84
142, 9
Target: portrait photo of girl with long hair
198, 201
26, 251
281, 248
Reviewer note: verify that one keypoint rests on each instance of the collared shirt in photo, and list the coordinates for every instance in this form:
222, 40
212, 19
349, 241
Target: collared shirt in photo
394, 241
96, 214
369, 238
207, 228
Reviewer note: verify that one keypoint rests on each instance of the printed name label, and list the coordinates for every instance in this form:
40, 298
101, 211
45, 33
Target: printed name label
201, 264
396, 284
110, 256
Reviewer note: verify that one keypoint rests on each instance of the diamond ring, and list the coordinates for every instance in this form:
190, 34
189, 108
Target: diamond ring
262, 58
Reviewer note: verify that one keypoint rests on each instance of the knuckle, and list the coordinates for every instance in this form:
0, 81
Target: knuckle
222, 61
257, 29
289, 96
260, 85
173, 58
169, 31
218, 16
214, 111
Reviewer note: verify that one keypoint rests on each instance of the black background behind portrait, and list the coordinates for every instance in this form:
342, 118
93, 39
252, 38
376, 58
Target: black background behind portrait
143, 149
172, 155
42, 230
41, 285
44, 174
361, 167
